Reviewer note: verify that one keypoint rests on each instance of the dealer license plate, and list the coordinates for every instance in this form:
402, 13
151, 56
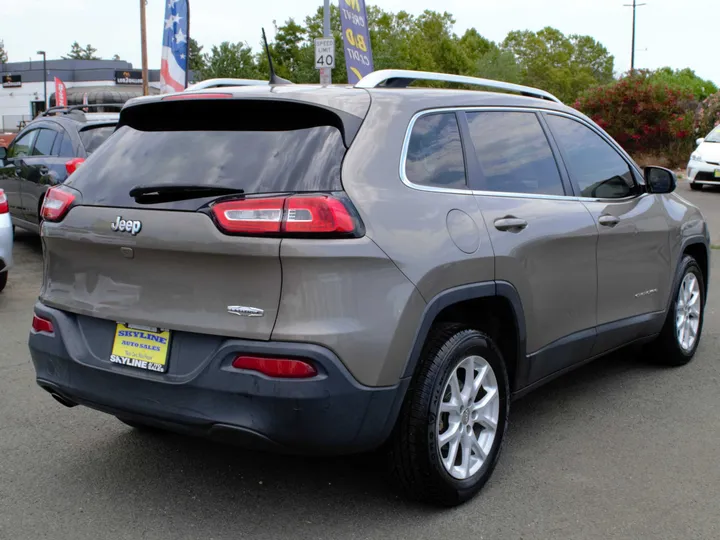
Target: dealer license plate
717, 173
140, 348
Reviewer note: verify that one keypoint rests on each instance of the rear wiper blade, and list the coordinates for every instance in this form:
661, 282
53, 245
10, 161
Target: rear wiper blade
179, 192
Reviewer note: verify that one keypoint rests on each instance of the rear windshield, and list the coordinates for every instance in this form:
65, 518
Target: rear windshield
263, 159
94, 136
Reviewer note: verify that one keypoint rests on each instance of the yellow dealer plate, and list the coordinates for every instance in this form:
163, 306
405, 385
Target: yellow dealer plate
717, 173
140, 349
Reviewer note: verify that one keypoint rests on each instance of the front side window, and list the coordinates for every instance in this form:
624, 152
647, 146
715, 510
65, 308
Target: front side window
435, 155
23, 146
514, 153
595, 167
44, 142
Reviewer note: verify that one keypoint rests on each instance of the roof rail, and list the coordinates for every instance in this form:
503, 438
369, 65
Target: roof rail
67, 109
220, 83
401, 78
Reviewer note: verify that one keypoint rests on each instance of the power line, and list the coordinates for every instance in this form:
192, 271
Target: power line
634, 5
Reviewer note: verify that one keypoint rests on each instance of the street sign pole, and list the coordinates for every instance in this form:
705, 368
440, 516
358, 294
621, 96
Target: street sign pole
326, 72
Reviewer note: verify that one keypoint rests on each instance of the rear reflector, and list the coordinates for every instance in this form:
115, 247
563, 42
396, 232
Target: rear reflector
206, 95
282, 368
56, 203
4, 207
72, 165
299, 215
42, 325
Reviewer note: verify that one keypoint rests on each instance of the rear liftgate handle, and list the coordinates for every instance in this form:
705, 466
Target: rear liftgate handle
510, 224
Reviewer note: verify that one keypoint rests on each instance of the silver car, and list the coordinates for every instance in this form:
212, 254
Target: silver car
6, 240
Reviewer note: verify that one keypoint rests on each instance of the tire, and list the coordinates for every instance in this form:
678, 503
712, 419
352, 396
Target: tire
415, 453
3, 280
667, 349
695, 187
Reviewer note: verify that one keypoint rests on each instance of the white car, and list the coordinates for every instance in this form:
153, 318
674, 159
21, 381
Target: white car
704, 166
6, 240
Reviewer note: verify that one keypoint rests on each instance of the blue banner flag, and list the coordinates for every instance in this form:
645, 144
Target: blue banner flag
356, 37
174, 64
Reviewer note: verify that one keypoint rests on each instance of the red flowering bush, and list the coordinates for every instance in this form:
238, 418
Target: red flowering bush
708, 115
646, 117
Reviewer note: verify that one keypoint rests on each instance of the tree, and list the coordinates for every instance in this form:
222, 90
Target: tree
231, 60
79, 53
684, 79
197, 58
562, 65
3, 53
116, 57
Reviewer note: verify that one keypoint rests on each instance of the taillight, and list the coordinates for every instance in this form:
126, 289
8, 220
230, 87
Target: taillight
42, 325
56, 203
72, 165
298, 215
281, 368
4, 208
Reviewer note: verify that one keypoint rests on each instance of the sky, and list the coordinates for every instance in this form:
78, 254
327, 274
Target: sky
669, 32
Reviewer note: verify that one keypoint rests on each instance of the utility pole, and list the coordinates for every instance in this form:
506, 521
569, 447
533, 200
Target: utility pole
44, 75
634, 7
143, 42
326, 72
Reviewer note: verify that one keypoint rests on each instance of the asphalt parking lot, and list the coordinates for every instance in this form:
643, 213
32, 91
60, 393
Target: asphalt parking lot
617, 449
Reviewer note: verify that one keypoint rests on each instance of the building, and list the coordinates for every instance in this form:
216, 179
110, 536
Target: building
104, 81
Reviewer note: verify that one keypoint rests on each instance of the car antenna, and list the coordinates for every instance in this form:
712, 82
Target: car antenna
274, 79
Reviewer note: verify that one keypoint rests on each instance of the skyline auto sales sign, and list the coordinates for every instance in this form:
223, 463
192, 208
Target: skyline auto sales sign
128, 76
11, 81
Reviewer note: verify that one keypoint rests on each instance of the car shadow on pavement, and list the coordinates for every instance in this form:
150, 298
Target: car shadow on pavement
159, 475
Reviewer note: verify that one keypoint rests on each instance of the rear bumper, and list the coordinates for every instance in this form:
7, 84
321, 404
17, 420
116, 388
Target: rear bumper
6, 242
328, 414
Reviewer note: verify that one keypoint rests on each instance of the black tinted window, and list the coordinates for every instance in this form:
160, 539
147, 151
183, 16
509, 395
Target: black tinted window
44, 142
63, 146
514, 153
23, 145
292, 160
435, 156
92, 137
596, 169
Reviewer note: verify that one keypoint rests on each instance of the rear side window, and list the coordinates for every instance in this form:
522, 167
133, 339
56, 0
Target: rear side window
92, 137
596, 169
272, 154
44, 142
435, 155
514, 153
63, 146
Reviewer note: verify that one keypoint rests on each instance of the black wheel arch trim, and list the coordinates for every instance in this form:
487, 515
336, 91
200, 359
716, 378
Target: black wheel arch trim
687, 242
449, 297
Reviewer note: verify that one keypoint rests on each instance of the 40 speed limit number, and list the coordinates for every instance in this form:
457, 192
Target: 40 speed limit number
324, 53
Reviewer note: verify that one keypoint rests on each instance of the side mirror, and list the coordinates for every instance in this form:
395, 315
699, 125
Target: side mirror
700, 141
659, 180
3, 153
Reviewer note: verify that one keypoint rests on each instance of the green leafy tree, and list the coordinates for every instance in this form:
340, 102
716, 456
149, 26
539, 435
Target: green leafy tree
78, 52
197, 58
116, 57
562, 65
684, 79
3, 53
234, 60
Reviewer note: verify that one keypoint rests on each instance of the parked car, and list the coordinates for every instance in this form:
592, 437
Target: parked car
45, 152
704, 166
6, 241
378, 267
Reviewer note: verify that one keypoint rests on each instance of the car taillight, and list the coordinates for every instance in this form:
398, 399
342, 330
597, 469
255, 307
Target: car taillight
56, 203
72, 165
298, 215
42, 325
4, 207
282, 368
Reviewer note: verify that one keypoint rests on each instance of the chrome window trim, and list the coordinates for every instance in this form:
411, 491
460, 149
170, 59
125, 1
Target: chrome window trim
506, 194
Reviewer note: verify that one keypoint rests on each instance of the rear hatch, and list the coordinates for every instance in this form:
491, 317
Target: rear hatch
173, 255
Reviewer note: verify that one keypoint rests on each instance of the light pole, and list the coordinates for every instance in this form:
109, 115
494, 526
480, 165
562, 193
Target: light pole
44, 76
634, 7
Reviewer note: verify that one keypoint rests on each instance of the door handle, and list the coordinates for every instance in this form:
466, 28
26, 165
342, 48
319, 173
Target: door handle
608, 221
510, 223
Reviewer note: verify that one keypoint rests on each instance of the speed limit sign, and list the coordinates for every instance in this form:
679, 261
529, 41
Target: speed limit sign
324, 53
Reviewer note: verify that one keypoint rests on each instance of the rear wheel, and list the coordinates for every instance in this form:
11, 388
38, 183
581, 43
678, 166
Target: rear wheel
3, 280
448, 437
695, 187
680, 336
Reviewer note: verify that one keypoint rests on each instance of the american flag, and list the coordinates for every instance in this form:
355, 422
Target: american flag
173, 68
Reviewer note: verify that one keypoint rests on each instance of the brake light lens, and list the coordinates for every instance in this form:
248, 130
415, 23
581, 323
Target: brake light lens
72, 165
56, 203
281, 368
42, 325
299, 215
4, 207
207, 95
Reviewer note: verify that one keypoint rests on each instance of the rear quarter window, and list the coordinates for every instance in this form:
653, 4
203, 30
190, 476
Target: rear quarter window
92, 137
435, 154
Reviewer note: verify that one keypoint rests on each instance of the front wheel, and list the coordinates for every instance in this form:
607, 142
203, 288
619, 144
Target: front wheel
680, 336
452, 424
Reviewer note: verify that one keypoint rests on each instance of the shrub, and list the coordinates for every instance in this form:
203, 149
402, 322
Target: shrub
708, 115
645, 116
